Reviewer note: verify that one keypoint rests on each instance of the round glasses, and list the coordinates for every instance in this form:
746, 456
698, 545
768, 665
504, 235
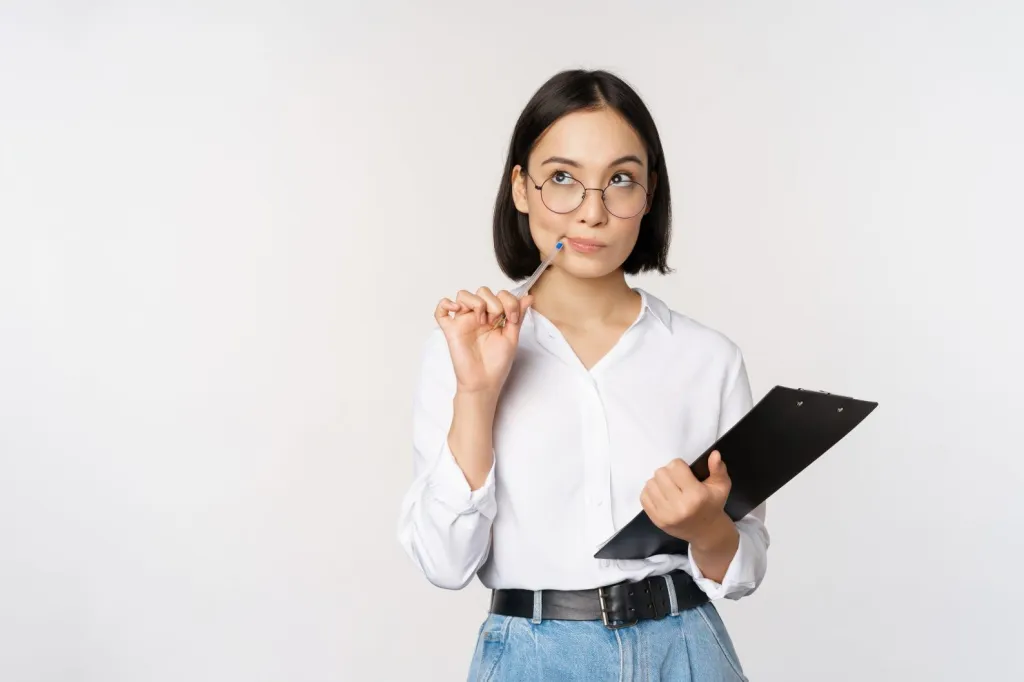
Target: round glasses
562, 193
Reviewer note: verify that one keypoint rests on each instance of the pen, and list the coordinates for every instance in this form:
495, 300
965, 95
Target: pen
500, 322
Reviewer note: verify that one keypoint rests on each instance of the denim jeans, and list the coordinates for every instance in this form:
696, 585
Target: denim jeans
692, 646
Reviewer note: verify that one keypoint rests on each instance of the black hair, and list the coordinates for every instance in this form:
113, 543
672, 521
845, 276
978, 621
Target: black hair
565, 93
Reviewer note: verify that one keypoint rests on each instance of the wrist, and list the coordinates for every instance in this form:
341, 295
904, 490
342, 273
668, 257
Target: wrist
719, 535
477, 402
470, 435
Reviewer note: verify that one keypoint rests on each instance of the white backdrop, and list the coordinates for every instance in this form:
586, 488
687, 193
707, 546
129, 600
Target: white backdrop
223, 229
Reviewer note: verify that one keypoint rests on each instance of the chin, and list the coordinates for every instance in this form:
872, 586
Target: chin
589, 268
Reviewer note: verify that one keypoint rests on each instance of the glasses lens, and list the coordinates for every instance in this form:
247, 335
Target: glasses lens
625, 199
561, 194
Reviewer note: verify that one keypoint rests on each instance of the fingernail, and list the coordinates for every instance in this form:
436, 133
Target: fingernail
514, 317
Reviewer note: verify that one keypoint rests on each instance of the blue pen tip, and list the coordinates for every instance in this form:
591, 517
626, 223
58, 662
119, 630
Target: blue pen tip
558, 246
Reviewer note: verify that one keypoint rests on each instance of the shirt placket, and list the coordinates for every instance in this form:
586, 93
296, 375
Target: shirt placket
597, 465
594, 438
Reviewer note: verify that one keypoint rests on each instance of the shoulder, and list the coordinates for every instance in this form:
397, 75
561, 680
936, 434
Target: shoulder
698, 348
693, 336
708, 340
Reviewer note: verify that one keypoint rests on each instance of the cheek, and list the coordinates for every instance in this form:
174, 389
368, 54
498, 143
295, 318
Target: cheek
626, 238
548, 227
623, 238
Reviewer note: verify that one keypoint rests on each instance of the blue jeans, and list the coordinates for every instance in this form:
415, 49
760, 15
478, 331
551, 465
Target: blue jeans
692, 646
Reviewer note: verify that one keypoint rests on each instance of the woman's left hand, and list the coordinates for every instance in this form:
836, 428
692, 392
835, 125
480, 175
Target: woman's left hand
686, 508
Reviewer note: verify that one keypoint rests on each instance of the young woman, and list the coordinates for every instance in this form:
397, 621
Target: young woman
537, 438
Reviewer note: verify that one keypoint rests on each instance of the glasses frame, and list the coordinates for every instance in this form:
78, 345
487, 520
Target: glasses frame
540, 188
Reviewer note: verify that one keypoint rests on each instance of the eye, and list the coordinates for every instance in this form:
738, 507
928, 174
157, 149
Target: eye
562, 178
621, 179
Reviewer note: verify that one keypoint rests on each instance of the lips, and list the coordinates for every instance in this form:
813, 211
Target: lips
582, 245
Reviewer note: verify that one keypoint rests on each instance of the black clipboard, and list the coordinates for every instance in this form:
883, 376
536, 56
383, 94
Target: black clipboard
784, 433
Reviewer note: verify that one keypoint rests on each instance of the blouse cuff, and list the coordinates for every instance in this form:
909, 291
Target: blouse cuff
740, 578
449, 486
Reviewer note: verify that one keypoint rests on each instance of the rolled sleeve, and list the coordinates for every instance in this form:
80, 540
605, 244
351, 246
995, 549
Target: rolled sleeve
748, 565
449, 487
444, 525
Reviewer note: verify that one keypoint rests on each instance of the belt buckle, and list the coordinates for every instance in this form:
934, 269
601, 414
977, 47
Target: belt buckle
604, 614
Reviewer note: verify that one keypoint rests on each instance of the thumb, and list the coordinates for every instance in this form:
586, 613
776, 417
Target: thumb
718, 475
511, 329
524, 303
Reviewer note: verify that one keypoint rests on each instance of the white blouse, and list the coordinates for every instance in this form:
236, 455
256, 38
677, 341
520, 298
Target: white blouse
572, 451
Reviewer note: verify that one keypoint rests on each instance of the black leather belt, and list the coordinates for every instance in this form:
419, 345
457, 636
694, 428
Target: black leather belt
619, 605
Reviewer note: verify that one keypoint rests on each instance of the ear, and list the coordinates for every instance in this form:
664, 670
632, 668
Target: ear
519, 189
650, 192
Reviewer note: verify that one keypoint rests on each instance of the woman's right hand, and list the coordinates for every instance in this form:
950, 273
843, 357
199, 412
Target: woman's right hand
482, 356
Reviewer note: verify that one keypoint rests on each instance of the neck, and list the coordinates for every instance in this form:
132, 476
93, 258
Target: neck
580, 302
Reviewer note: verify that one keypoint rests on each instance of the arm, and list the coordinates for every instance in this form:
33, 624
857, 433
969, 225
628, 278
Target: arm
470, 435
732, 561
732, 558
447, 512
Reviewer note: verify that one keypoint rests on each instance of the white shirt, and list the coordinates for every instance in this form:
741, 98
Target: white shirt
573, 449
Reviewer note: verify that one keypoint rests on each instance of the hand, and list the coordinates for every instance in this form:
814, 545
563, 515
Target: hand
689, 509
481, 355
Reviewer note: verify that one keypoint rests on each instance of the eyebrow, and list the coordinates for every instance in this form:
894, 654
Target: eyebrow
629, 158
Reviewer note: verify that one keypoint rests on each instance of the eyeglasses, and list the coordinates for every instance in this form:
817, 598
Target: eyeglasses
562, 193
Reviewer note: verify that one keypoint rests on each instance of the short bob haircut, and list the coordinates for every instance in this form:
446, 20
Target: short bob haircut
565, 93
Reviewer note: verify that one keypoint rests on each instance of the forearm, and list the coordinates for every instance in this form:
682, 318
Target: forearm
447, 513
714, 550
470, 437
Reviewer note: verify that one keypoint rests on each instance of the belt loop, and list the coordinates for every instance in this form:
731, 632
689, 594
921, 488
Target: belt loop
673, 601
537, 606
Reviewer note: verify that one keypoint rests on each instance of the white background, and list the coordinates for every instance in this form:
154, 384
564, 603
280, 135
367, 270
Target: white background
223, 230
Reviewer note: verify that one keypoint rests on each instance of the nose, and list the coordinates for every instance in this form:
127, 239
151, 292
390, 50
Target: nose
593, 212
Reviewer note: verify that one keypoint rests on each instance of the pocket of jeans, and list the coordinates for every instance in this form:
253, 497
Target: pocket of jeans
709, 614
490, 645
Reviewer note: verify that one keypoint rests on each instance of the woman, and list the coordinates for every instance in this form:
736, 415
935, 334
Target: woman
538, 437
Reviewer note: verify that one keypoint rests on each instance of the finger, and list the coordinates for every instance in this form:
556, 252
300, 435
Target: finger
648, 503
716, 466
524, 304
666, 485
681, 474
474, 303
494, 305
512, 329
510, 306
655, 494
718, 476
444, 307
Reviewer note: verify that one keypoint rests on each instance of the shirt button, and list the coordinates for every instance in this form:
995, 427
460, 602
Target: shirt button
605, 563
600, 503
